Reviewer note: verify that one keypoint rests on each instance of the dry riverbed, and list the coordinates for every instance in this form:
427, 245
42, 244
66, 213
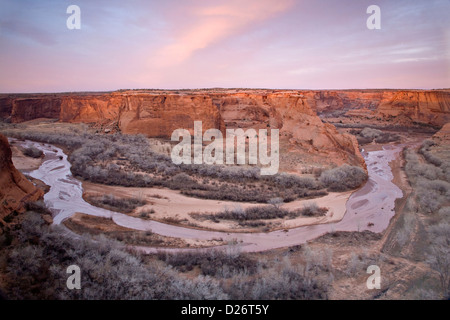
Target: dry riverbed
170, 206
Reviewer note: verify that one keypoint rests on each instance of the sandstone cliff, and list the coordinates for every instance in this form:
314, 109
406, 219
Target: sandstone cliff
405, 107
159, 113
443, 136
301, 130
140, 109
15, 189
156, 113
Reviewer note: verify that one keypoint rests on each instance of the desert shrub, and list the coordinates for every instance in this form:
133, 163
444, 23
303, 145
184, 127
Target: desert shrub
261, 212
211, 263
354, 265
267, 213
426, 144
367, 135
432, 159
386, 137
439, 186
444, 213
231, 193
343, 178
431, 193
253, 213
312, 210
276, 202
407, 224
429, 157
130, 161
146, 213
111, 202
431, 190
363, 140
38, 207
37, 269
260, 194
429, 200
415, 169
289, 181
370, 133
33, 152
183, 181
253, 224
286, 284
439, 255
317, 261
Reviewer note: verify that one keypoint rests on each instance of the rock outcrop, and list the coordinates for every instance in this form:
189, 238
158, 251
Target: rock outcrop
443, 136
157, 113
151, 114
15, 189
301, 130
389, 107
140, 109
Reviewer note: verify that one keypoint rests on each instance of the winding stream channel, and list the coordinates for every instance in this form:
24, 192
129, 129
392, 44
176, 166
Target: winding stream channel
369, 208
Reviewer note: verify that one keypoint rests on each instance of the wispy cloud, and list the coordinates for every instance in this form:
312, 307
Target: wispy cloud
409, 51
214, 22
420, 59
229, 43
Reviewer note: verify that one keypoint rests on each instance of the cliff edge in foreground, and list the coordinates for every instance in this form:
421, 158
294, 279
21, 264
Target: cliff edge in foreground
15, 189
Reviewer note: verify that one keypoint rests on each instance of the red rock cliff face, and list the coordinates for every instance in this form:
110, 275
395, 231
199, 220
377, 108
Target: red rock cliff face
155, 115
15, 189
137, 108
159, 113
431, 107
299, 125
24, 109
5, 107
94, 108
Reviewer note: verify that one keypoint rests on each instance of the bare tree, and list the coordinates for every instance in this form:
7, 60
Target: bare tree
276, 202
439, 257
440, 261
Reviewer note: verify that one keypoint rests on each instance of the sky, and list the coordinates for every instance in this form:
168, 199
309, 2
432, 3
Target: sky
188, 44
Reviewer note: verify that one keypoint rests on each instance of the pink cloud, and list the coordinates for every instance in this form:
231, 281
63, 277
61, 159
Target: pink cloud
213, 23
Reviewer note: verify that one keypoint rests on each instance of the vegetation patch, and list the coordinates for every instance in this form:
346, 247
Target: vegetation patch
110, 202
343, 178
131, 161
33, 152
369, 135
423, 230
252, 216
35, 258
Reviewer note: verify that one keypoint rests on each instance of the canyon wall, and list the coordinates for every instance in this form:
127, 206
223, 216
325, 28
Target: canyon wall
157, 113
301, 130
140, 110
405, 107
15, 189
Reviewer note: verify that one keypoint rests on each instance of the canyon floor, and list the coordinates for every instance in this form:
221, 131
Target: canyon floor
338, 258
